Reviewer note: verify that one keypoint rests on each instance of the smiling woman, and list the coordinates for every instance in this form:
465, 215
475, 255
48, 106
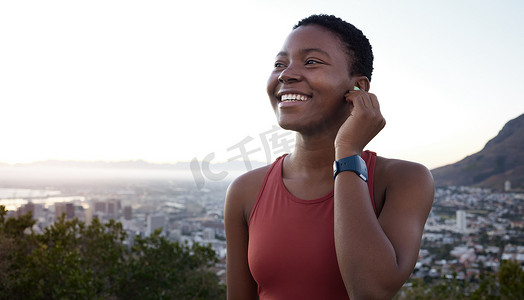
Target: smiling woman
296, 231
325, 68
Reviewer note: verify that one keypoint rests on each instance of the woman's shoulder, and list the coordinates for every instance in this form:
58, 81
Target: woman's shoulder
243, 191
400, 177
400, 170
393, 164
248, 181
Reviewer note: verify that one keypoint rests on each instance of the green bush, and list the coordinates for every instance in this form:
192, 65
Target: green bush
71, 260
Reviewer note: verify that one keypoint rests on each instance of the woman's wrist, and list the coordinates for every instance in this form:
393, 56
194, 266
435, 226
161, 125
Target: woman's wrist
342, 151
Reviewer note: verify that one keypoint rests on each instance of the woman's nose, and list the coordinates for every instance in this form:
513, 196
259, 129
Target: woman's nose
289, 74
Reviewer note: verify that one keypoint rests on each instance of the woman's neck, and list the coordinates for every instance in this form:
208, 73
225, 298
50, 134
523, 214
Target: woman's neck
313, 155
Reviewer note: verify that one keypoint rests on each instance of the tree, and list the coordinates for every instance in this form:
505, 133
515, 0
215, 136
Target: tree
70, 260
15, 245
160, 269
74, 261
488, 289
511, 280
507, 283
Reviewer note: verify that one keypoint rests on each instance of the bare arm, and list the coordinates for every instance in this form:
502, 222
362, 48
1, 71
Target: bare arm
377, 256
240, 282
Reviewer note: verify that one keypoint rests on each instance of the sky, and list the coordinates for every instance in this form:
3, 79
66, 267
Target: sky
169, 81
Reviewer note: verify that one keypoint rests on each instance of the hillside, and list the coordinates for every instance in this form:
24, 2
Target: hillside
501, 159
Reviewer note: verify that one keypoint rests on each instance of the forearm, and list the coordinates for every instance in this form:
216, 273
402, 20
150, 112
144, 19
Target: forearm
366, 257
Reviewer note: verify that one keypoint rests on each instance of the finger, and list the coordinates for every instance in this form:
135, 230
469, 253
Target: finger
366, 99
369, 99
374, 101
352, 95
357, 101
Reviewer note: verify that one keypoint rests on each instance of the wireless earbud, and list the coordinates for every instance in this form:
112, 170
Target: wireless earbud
355, 88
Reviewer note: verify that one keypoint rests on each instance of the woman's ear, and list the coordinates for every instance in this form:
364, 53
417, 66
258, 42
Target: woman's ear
362, 82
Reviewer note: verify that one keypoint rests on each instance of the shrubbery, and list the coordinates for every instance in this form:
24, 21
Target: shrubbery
506, 284
72, 260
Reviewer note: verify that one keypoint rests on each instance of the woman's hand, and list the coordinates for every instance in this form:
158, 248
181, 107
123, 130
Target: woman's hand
363, 124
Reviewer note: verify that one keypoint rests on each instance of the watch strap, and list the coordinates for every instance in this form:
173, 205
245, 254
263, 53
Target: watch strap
353, 163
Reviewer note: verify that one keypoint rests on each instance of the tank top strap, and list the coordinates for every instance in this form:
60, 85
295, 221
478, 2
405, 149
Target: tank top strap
276, 166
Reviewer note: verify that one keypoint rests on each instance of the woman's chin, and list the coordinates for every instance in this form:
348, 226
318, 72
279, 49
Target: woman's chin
288, 125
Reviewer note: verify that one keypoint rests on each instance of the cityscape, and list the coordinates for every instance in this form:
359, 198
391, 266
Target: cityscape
469, 230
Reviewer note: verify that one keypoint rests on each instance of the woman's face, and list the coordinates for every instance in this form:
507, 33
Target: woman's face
309, 80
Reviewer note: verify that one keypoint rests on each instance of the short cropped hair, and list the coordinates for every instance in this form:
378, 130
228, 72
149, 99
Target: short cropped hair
357, 45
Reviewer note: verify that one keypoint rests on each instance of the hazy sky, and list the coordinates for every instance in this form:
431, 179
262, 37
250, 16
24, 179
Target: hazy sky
167, 81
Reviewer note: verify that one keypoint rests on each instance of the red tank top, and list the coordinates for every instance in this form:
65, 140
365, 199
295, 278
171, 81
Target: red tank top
291, 250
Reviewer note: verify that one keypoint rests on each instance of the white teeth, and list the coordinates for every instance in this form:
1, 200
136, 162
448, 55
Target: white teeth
293, 97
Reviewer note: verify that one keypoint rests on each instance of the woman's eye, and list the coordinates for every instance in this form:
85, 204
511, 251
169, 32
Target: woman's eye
279, 65
311, 62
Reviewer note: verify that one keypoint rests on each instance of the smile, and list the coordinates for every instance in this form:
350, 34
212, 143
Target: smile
293, 97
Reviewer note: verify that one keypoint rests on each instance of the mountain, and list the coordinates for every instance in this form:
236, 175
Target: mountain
53, 172
501, 159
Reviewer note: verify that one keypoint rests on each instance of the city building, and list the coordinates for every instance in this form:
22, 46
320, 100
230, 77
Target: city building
154, 222
128, 212
461, 221
507, 186
66, 208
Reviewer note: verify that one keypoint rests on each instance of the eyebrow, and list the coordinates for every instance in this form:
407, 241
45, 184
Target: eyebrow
305, 51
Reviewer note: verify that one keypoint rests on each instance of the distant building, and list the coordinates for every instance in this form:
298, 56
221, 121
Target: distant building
209, 233
128, 212
100, 206
64, 208
110, 207
70, 211
89, 215
461, 221
507, 186
35, 209
155, 222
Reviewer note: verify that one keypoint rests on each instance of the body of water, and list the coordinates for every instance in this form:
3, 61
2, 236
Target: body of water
12, 199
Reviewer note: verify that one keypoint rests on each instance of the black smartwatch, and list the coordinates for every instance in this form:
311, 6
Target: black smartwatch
353, 163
